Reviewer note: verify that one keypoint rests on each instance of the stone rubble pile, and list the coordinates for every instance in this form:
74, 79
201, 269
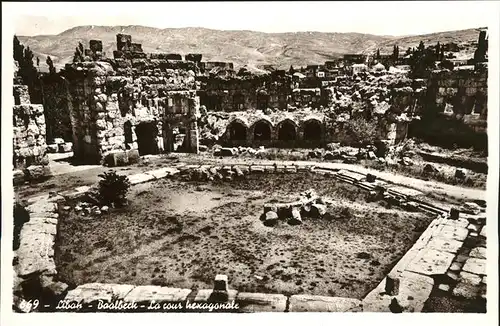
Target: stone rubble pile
308, 205
60, 146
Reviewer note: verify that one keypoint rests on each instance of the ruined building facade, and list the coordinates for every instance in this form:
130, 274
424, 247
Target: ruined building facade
146, 103
30, 159
130, 104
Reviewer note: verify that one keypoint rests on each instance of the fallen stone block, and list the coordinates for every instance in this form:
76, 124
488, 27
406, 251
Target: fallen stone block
133, 156
317, 210
52, 148
91, 292
162, 172
35, 172
314, 303
429, 168
116, 159
58, 141
257, 169
209, 295
271, 218
140, 178
238, 171
261, 302
460, 173
65, 147
370, 178
295, 218
147, 293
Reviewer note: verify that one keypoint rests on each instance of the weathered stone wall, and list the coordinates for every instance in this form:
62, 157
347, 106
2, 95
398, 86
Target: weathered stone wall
107, 105
244, 93
456, 110
30, 148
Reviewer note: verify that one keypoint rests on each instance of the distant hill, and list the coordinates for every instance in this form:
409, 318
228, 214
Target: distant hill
241, 47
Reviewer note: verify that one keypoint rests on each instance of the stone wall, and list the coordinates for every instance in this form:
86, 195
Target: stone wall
244, 93
30, 149
457, 109
135, 104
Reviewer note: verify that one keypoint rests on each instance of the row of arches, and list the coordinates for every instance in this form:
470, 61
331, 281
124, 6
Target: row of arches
286, 130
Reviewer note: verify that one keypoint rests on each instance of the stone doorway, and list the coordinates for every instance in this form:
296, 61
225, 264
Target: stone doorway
237, 131
262, 131
146, 138
312, 130
287, 131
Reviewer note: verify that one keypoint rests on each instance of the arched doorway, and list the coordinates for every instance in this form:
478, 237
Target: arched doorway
287, 131
262, 130
146, 138
237, 131
312, 130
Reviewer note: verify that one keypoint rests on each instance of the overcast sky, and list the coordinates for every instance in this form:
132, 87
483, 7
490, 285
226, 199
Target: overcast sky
382, 18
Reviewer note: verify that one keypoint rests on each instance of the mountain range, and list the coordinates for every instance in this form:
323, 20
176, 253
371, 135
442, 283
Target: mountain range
249, 48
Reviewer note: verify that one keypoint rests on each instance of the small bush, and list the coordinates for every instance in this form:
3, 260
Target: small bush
113, 188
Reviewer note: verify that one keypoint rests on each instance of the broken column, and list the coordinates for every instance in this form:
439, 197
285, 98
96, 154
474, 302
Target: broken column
391, 284
220, 292
194, 108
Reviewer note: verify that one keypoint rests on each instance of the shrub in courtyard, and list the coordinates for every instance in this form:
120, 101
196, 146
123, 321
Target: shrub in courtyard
113, 188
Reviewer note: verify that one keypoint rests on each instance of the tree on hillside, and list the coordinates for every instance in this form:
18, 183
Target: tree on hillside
79, 53
422, 62
395, 52
37, 61
291, 71
421, 47
438, 51
18, 50
377, 56
27, 70
52, 69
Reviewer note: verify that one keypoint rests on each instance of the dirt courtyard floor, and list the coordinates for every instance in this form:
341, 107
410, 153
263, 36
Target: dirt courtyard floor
181, 234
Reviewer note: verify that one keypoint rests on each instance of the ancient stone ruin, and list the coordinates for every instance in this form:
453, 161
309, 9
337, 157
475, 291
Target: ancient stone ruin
30, 149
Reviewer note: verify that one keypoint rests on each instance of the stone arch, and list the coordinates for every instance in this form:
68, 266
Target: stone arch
287, 130
262, 130
313, 129
237, 130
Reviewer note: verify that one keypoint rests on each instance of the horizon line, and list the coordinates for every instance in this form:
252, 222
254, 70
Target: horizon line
254, 31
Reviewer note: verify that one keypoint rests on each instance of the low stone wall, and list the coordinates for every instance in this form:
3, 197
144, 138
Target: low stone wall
439, 260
